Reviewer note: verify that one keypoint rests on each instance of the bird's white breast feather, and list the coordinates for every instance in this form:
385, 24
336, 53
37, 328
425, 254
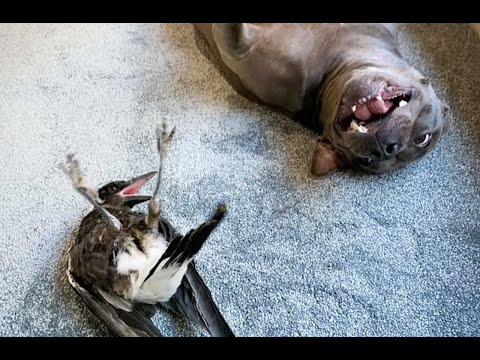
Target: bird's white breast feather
137, 264
163, 284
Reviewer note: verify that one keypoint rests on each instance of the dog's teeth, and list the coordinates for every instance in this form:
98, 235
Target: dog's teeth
362, 123
379, 98
354, 108
363, 100
362, 129
354, 126
402, 103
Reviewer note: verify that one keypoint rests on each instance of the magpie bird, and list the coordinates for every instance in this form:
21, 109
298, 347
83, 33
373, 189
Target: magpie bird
124, 262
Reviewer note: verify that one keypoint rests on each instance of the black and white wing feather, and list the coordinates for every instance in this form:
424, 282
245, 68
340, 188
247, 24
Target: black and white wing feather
193, 299
122, 318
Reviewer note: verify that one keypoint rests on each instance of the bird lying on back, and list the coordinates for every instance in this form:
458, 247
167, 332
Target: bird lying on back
123, 261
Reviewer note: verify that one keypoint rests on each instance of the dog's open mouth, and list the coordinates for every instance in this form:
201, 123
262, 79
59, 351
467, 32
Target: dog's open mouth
367, 113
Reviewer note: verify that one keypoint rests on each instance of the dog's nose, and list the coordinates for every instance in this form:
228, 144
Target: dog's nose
389, 139
391, 150
385, 151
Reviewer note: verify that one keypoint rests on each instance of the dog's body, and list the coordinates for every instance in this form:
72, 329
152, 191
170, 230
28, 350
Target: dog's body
347, 81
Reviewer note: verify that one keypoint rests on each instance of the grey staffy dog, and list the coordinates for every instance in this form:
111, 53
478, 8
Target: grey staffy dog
348, 82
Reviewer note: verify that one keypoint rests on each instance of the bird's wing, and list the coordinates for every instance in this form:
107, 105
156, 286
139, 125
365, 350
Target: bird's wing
193, 299
120, 316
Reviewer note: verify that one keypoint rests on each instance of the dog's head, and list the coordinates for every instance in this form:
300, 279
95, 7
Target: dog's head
378, 118
377, 112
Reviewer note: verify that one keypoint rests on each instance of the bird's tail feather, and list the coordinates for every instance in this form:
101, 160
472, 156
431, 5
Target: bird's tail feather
194, 301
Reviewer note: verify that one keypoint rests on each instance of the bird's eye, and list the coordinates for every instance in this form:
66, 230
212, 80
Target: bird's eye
365, 161
423, 140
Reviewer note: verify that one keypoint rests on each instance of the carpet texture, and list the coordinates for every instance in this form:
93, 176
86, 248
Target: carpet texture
346, 255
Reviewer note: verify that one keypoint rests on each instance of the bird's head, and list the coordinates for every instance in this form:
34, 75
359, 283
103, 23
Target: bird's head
125, 192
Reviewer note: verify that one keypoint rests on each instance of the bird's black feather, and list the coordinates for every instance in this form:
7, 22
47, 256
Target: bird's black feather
135, 323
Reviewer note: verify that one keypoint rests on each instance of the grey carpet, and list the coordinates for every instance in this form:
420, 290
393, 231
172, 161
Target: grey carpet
346, 255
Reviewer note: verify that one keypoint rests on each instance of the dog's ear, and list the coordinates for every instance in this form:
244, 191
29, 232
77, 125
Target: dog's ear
326, 159
234, 39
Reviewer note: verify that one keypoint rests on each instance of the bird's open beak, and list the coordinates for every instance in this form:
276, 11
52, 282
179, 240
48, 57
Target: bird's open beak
129, 193
136, 184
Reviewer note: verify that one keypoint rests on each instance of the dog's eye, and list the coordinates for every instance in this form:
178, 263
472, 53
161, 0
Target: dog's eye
364, 161
423, 140
113, 189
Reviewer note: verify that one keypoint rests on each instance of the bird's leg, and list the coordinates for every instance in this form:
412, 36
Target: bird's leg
164, 138
79, 183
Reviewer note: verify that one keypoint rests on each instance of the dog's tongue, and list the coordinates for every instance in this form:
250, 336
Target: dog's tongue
372, 107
